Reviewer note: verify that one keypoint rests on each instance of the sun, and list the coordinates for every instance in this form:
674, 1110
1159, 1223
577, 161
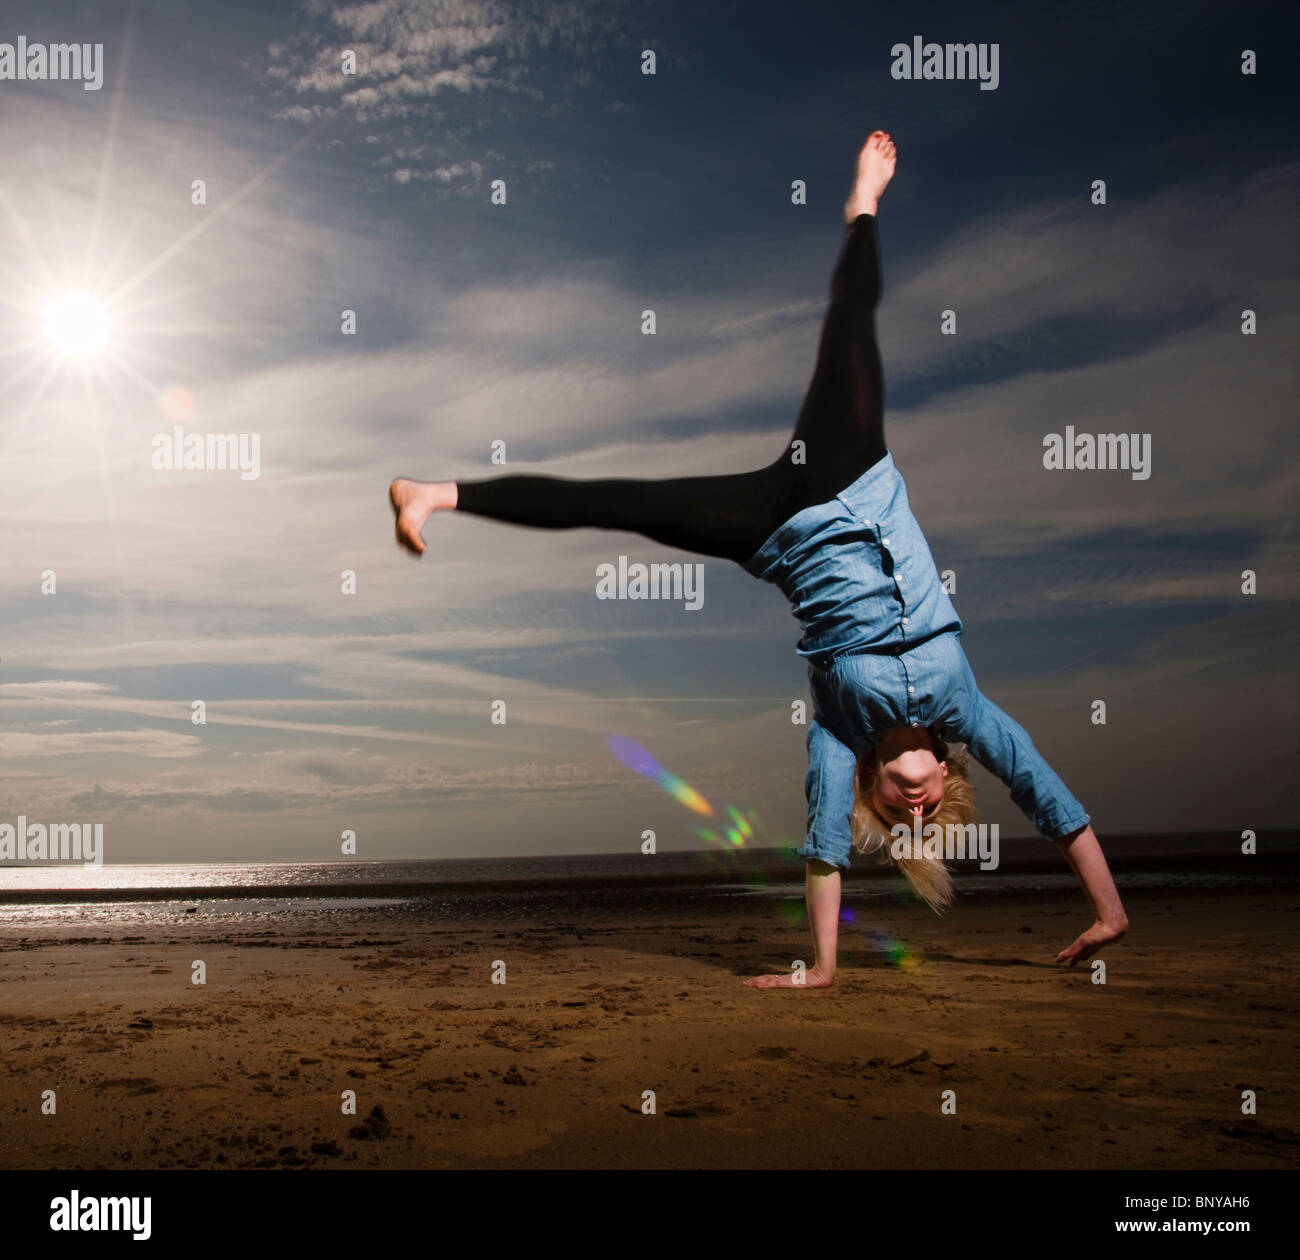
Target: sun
77, 325
89, 327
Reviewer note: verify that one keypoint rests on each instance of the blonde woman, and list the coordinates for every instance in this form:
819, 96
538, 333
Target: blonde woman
830, 524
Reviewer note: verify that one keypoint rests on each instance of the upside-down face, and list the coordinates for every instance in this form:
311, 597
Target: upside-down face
910, 774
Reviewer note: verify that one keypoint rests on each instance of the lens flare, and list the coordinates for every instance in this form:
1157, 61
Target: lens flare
793, 910
639, 760
729, 838
76, 325
898, 953
743, 825
176, 403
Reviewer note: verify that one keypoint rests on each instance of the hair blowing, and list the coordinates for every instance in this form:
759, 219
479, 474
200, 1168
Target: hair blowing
929, 877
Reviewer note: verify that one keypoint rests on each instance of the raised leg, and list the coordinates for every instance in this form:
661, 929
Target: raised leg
841, 423
724, 516
840, 427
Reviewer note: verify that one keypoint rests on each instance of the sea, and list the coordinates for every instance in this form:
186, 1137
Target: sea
56, 899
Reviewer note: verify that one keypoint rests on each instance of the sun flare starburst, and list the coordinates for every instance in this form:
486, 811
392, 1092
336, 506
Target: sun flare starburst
77, 325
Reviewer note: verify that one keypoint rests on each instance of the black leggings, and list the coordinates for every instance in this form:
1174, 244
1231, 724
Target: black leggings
840, 426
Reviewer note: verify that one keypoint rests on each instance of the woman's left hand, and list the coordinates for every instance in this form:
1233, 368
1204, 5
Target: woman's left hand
1090, 942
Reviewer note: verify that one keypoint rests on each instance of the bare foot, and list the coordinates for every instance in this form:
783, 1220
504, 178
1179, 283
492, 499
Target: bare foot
413, 503
875, 170
814, 979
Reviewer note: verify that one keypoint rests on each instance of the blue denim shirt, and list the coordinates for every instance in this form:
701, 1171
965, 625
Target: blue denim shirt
882, 640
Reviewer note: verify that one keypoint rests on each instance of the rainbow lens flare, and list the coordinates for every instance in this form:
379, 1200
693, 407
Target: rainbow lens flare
639, 760
794, 912
897, 952
733, 829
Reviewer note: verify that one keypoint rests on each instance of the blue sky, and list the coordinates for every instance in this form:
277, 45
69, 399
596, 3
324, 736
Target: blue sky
522, 323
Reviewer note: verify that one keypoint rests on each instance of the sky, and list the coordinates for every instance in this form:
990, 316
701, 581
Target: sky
129, 592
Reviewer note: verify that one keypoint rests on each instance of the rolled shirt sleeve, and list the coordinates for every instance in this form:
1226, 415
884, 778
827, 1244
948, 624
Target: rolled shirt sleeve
829, 789
1003, 747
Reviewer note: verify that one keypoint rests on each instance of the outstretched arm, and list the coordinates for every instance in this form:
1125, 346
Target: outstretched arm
1003, 747
832, 766
1083, 852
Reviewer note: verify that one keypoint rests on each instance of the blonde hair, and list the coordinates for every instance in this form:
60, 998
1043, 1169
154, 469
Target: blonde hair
929, 877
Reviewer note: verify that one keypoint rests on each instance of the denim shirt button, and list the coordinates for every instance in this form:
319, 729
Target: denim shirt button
910, 690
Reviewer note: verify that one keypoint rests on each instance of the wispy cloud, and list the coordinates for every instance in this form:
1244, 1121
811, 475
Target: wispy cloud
449, 64
18, 744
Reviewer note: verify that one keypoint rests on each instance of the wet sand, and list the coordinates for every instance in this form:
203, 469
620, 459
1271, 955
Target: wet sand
550, 1068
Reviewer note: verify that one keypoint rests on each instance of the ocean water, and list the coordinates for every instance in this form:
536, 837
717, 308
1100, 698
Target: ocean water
124, 897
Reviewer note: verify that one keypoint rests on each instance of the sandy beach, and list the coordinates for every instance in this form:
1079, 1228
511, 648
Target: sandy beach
549, 1069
